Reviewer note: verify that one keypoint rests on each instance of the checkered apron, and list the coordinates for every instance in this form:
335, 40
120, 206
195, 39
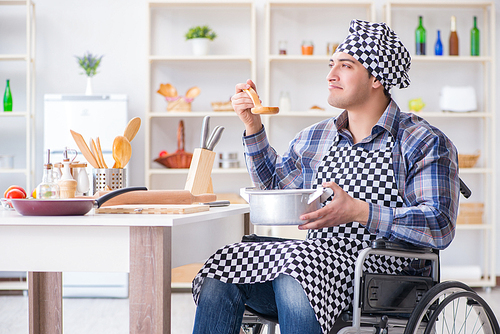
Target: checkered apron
323, 263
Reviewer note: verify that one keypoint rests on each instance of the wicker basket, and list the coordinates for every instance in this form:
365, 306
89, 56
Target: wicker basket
222, 106
470, 213
179, 159
468, 160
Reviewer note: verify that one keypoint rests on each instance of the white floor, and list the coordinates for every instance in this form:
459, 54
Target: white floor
110, 316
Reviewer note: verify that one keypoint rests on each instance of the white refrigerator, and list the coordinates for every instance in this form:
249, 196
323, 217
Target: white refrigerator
103, 116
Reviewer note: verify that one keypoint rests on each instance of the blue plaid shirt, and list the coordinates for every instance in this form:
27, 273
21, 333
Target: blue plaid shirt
425, 166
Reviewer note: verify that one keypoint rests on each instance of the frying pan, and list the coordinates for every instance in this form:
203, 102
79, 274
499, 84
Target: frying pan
65, 207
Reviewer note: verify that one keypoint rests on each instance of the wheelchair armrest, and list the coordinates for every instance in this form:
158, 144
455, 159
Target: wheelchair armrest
398, 246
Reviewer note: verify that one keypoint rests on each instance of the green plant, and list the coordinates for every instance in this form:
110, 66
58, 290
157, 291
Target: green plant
201, 32
89, 63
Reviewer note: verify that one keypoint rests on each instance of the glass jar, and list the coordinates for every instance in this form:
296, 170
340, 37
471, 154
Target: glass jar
307, 48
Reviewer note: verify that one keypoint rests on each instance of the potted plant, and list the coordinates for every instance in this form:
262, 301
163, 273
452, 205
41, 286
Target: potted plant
199, 37
89, 63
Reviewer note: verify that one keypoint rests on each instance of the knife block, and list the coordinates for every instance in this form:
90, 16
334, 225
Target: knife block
199, 180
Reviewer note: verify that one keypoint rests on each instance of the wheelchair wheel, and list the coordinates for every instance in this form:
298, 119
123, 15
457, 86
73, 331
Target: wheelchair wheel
462, 312
420, 315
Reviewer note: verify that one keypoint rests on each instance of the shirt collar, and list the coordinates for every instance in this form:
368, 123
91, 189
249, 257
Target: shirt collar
389, 121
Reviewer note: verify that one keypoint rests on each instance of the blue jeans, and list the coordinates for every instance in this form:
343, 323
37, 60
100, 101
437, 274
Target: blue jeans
221, 306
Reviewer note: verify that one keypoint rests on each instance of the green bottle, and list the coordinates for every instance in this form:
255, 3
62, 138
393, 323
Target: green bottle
420, 38
474, 39
7, 98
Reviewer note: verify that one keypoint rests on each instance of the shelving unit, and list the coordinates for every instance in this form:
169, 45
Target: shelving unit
469, 131
12, 53
170, 60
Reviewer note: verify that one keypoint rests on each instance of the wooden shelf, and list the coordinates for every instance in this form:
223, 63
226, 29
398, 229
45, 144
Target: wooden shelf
200, 58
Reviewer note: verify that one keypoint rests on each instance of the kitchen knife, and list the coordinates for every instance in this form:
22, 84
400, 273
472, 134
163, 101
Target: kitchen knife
215, 138
204, 131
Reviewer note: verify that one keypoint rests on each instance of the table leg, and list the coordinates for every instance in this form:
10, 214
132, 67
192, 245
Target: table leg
150, 279
45, 302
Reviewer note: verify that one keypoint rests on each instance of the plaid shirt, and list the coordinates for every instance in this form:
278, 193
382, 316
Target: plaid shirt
425, 167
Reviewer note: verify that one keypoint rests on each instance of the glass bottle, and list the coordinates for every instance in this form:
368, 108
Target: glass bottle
453, 37
420, 38
284, 103
7, 98
48, 188
307, 48
438, 47
474, 39
282, 47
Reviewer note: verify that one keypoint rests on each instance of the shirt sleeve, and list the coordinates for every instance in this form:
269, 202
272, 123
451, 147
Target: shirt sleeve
267, 169
431, 195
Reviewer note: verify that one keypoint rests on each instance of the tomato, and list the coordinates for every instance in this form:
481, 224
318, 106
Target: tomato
14, 187
15, 193
162, 153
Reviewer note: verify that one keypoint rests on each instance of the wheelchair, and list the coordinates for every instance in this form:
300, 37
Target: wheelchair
386, 304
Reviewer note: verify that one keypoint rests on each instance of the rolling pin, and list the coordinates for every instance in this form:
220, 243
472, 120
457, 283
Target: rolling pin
157, 197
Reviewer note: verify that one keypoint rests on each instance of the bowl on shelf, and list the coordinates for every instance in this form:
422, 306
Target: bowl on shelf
468, 160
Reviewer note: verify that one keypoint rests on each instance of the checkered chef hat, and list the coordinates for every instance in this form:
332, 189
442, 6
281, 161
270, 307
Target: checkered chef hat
380, 51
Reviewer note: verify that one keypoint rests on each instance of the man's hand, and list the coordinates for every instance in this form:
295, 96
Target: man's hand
342, 209
242, 103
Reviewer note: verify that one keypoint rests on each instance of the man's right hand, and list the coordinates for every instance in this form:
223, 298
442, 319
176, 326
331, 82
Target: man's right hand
242, 104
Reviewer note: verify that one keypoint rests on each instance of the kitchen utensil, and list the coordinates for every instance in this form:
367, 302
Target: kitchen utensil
65, 207
132, 128
83, 181
93, 149
258, 108
179, 159
282, 206
99, 153
154, 209
108, 179
122, 151
192, 92
82, 145
218, 204
167, 90
205, 128
214, 139
158, 197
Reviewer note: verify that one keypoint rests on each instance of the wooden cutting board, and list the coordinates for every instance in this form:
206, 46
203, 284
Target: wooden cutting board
156, 197
153, 209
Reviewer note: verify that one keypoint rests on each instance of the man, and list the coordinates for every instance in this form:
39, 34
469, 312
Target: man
392, 174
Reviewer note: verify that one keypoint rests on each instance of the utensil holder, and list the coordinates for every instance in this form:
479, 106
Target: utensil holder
109, 178
199, 179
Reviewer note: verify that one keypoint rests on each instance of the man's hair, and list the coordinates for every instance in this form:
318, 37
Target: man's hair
386, 92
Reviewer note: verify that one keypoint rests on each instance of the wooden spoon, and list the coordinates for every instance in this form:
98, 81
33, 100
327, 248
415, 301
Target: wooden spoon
167, 90
122, 151
82, 145
132, 127
93, 149
99, 153
193, 92
258, 108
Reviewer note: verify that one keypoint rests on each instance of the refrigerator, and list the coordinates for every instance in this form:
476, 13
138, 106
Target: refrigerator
103, 116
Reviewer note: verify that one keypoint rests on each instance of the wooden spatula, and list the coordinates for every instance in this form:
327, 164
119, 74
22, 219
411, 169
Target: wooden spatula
132, 128
82, 145
258, 108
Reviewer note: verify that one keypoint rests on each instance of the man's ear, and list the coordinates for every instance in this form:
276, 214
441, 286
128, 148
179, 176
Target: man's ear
375, 83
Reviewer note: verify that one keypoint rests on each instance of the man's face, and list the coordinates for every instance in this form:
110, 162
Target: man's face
348, 82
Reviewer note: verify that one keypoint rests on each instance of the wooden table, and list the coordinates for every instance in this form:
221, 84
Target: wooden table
139, 244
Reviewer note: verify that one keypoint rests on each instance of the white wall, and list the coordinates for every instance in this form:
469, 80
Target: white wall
117, 29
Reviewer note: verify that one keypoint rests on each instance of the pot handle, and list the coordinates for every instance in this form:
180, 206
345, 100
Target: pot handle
101, 200
327, 192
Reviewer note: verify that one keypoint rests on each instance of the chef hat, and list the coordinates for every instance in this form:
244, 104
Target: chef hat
380, 51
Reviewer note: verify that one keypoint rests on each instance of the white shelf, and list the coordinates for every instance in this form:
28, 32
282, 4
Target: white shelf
200, 58
177, 171
28, 114
170, 60
483, 73
192, 114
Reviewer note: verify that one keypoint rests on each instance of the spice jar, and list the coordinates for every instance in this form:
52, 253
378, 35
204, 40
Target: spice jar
282, 47
307, 48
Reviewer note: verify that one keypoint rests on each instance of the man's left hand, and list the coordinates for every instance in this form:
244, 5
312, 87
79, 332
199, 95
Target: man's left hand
342, 209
